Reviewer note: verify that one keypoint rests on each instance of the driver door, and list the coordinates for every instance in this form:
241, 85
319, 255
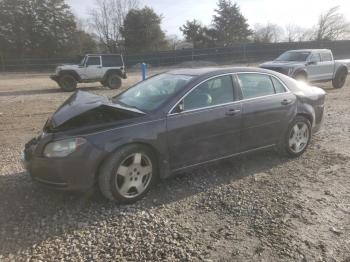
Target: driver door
93, 68
313, 67
208, 125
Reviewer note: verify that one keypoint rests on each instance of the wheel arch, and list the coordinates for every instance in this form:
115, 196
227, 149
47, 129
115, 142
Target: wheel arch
113, 71
140, 143
70, 72
308, 116
300, 71
341, 68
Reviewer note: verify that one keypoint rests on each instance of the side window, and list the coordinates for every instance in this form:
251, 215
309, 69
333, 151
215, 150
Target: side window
279, 88
315, 57
255, 85
326, 57
93, 60
213, 92
111, 61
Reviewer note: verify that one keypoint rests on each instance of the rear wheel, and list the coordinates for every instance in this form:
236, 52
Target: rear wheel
340, 78
114, 81
128, 174
67, 83
297, 138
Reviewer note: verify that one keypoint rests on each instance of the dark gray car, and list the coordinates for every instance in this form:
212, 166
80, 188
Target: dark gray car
169, 123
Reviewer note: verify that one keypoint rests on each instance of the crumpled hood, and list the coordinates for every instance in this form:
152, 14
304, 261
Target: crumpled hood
282, 64
84, 108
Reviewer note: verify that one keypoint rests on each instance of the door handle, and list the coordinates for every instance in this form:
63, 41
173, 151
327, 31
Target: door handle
286, 102
232, 112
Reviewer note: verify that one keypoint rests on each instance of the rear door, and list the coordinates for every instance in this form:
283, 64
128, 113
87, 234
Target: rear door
205, 124
267, 108
326, 66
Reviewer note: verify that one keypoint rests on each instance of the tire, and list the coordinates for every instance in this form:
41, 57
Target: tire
128, 174
340, 78
114, 81
301, 77
295, 144
68, 83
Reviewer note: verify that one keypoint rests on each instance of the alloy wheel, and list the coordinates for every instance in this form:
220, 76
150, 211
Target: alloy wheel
133, 175
298, 137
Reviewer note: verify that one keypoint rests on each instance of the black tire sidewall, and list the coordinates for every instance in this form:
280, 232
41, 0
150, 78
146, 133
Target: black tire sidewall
64, 87
109, 79
301, 77
286, 137
110, 167
336, 81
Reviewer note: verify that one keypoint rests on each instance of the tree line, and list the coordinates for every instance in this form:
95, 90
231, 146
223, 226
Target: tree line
48, 29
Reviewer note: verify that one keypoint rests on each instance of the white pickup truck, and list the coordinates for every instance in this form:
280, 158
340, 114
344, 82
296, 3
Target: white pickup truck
108, 69
312, 65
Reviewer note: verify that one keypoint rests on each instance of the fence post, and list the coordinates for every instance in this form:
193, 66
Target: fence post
2, 63
144, 71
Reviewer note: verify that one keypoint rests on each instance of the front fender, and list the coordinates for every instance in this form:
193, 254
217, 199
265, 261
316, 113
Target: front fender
299, 70
150, 133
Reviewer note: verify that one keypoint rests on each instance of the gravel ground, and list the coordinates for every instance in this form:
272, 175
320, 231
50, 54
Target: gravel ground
260, 207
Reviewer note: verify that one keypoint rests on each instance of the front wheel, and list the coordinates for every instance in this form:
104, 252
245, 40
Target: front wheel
297, 138
67, 83
128, 174
301, 77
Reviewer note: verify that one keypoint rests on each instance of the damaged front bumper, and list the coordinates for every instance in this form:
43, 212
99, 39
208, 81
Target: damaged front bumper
76, 172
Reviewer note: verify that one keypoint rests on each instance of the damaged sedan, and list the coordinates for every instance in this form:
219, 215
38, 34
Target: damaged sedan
169, 123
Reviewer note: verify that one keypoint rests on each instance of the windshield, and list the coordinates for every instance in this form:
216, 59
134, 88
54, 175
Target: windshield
153, 92
293, 56
82, 61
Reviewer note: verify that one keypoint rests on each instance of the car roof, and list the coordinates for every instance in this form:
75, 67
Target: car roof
103, 54
309, 50
215, 70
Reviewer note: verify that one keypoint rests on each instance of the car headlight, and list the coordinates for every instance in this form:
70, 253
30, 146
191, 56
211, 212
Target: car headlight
63, 148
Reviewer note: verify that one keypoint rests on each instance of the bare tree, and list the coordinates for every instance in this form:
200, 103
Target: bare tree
269, 33
173, 41
332, 25
107, 18
295, 33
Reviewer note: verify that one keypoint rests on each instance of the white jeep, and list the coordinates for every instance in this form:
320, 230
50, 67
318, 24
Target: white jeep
108, 69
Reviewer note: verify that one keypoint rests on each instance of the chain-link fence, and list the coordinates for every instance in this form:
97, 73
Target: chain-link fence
239, 53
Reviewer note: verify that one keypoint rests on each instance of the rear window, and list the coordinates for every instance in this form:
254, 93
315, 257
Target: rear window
112, 61
255, 85
326, 57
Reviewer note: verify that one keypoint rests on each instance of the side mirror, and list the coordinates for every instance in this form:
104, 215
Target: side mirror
312, 62
179, 108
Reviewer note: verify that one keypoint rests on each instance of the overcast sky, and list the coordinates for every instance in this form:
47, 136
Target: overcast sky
282, 12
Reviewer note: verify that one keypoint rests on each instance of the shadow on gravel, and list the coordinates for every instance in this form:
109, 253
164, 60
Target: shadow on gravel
45, 91
31, 214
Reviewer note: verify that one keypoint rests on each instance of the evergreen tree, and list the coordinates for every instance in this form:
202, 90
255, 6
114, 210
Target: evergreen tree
37, 28
142, 31
229, 23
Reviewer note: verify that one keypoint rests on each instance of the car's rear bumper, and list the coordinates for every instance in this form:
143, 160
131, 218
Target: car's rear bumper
76, 172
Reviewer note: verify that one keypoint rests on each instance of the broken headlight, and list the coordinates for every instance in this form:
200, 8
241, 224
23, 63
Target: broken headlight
63, 148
